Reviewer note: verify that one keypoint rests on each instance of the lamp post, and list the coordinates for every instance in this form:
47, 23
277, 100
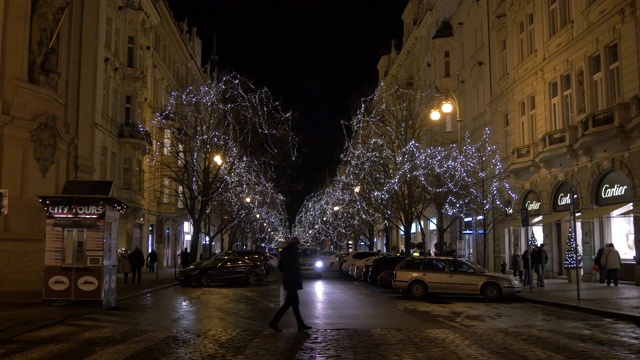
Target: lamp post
449, 102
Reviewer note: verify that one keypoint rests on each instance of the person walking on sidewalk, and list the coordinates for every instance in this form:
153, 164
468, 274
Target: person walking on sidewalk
136, 258
540, 262
125, 265
612, 262
517, 264
526, 263
152, 259
598, 261
185, 259
289, 265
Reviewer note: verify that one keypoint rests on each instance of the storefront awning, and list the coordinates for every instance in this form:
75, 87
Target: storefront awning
632, 212
551, 218
599, 211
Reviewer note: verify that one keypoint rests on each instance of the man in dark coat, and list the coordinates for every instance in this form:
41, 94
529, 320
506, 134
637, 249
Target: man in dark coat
152, 259
136, 258
289, 265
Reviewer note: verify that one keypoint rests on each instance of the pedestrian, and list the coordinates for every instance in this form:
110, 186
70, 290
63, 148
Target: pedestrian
598, 261
125, 266
185, 259
152, 259
136, 258
612, 262
289, 265
526, 263
540, 262
516, 263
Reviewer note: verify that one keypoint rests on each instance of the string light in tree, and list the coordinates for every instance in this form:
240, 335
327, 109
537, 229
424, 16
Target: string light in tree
570, 260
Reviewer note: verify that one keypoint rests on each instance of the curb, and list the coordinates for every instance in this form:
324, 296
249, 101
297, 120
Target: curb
589, 310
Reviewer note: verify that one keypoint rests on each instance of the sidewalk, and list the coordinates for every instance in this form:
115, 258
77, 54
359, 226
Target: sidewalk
622, 301
16, 319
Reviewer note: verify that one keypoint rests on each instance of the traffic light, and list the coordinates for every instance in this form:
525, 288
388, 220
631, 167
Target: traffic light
4, 202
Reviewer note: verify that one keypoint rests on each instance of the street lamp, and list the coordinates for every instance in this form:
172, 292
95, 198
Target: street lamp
449, 102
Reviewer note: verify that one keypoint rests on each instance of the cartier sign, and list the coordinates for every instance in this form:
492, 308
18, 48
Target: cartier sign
532, 203
614, 188
562, 197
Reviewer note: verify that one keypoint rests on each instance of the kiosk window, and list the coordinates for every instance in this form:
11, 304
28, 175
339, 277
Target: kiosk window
74, 247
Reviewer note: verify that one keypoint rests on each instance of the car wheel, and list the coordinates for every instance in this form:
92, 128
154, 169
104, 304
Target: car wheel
418, 289
252, 278
491, 292
205, 280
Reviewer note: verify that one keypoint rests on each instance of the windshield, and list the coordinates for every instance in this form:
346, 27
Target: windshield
308, 252
475, 267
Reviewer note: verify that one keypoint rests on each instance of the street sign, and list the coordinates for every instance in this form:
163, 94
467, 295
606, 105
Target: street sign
524, 213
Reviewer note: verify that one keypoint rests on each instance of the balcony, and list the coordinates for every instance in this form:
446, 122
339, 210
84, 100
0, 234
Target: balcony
523, 163
602, 131
135, 134
557, 147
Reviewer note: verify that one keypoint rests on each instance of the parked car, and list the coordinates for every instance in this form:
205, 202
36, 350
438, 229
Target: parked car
273, 261
362, 267
330, 258
352, 257
227, 270
311, 262
385, 279
338, 263
257, 257
382, 264
446, 275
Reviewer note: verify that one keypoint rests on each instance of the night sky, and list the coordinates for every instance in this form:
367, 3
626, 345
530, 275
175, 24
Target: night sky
318, 57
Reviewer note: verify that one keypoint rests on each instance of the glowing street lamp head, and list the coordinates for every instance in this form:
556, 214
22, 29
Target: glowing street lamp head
217, 159
435, 114
447, 107
357, 189
248, 199
336, 208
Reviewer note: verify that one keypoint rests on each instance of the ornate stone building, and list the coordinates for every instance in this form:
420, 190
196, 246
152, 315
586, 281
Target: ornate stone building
79, 84
557, 83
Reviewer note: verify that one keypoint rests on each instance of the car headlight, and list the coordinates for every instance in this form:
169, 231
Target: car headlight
515, 282
319, 264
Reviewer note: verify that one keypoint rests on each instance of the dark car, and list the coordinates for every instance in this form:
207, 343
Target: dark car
221, 270
385, 279
382, 264
256, 257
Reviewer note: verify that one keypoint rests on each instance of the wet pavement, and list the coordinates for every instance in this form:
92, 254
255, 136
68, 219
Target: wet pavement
23, 322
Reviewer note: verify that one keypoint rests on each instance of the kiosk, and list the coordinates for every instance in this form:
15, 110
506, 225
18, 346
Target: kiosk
81, 243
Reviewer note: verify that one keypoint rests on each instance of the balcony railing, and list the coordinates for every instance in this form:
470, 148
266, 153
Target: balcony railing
134, 131
597, 120
562, 137
524, 153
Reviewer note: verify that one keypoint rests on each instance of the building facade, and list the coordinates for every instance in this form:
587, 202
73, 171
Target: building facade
558, 85
79, 84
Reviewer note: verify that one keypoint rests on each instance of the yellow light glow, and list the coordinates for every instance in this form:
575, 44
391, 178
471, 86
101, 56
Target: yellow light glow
218, 159
447, 107
435, 114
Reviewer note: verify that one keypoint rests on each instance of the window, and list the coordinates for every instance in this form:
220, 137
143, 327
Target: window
524, 140
126, 173
180, 197
434, 265
127, 109
137, 173
506, 147
74, 247
522, 43
614, 73
458, 266
412, 264
447, 64
104, 163
167, 142
532, 119
597, 91
554, 97
567, 100
531, 38
503, 57
581, 103
165, 190
559, 15
130, 51
109, 34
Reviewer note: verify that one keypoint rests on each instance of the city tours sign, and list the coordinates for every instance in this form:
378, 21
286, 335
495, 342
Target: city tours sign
614, 188
91, 210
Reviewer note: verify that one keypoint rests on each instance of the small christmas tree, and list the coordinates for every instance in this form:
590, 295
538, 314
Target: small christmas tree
570, 259
532, 239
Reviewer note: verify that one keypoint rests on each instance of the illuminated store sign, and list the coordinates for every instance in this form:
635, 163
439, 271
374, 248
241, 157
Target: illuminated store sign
532, 203
562, 198
75, 211
614, 188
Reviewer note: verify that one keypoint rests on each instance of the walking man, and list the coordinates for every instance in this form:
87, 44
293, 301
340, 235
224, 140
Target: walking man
289, 265
612, 263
